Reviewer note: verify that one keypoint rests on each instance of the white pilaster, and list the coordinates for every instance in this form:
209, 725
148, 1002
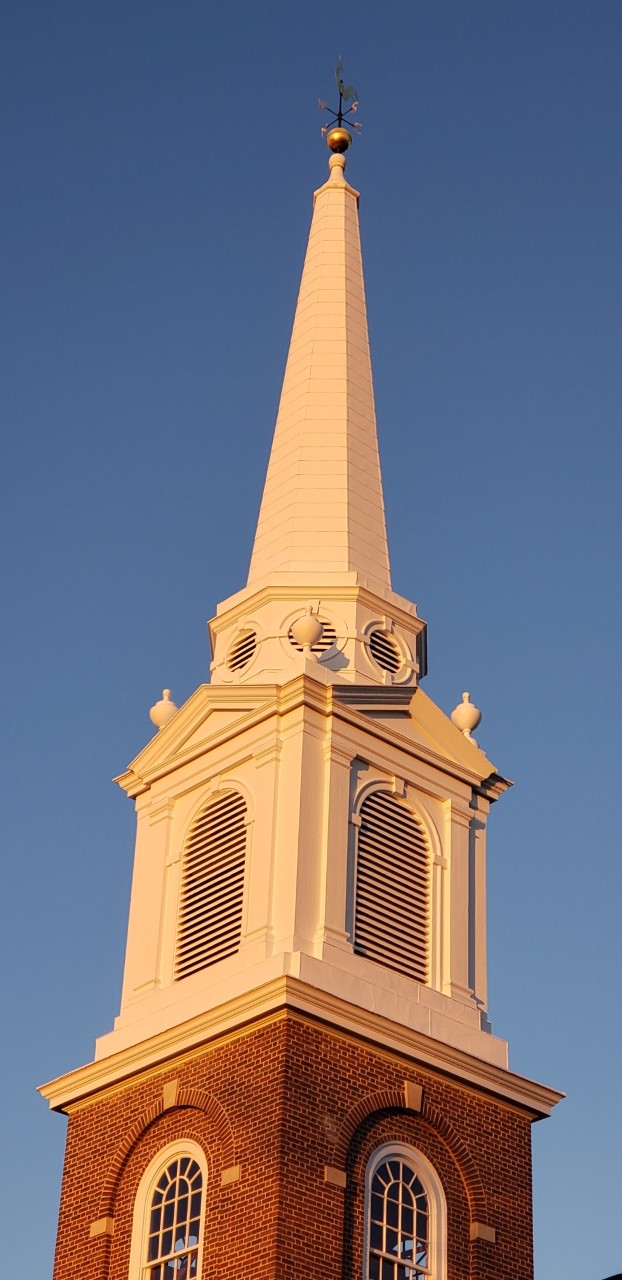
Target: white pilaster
334, 868
457, 983
147, 903
477, 914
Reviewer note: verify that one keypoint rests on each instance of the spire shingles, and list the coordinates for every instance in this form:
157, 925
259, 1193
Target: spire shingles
322, 509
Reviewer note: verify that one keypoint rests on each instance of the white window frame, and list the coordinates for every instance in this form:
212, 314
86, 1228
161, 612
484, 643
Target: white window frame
139, 1268
437, 1204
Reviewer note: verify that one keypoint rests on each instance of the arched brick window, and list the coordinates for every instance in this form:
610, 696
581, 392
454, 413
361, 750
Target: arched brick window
392, 887
212, 885
405, 1217
167, 1237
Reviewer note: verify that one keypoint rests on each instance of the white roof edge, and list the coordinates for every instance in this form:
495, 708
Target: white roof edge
287, 993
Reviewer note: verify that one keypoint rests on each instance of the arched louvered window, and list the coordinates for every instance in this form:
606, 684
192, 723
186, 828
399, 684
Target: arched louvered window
212, 885
405, 1217
392, 890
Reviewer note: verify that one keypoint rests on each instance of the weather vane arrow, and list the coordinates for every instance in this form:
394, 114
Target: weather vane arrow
338, 138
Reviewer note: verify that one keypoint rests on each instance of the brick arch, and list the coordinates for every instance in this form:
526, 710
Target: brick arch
382, 1100
193, 1099
469, 1171
214, 1110
392, 1100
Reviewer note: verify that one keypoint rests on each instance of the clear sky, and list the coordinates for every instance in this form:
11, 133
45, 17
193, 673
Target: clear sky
158, 161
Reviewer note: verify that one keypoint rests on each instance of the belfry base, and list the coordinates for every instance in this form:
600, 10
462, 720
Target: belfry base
290, 1110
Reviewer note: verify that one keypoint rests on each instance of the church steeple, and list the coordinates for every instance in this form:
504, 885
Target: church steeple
304, 998
321, 544
322, 509
313, 740
310, 742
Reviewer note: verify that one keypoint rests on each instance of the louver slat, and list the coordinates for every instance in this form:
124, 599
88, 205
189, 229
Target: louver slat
208, 935
209, 874
242, 651
390, 922
208, 930
211, 921
212, 886
392, 904
379, 881
385, 651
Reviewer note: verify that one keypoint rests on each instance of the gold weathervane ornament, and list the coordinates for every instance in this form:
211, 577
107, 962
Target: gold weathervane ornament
337, 136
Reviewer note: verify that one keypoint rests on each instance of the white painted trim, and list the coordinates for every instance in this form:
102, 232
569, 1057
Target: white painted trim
404, 673
142, 1204
221, 780
436, 1203
119, 1059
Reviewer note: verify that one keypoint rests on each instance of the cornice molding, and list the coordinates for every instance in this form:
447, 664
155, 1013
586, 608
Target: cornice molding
262, 702
242, 606
284, 994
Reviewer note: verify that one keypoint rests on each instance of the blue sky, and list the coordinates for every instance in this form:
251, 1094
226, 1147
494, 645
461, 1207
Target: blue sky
158, 161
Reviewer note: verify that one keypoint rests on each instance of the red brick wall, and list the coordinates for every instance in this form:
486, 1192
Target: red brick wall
284, 1100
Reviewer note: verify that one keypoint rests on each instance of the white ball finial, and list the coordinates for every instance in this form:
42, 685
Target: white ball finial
163, 711
306, 631
466, 717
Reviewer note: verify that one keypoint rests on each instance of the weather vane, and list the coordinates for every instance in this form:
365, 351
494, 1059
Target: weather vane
337, 136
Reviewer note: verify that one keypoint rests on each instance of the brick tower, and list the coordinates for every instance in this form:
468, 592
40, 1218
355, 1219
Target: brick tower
302, 1083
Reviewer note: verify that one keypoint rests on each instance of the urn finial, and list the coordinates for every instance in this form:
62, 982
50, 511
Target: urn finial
163, 711
466, 717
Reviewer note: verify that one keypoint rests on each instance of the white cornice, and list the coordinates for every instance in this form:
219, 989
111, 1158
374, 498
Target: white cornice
244, 602
292, 994
260, 702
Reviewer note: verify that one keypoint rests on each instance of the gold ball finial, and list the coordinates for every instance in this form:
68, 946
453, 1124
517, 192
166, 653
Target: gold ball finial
338, 139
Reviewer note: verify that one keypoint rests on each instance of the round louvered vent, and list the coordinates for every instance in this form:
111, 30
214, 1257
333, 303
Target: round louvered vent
242, 650
385, 651
326, 641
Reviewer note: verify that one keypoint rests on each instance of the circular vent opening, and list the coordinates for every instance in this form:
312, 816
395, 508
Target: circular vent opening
326, 641
385, 651
242, 650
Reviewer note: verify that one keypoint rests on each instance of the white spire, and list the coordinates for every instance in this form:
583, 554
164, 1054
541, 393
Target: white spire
320, 563
322, 509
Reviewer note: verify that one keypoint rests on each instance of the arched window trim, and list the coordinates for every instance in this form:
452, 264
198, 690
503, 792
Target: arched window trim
413, 799
436, 1202
209, 791
139, 1269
